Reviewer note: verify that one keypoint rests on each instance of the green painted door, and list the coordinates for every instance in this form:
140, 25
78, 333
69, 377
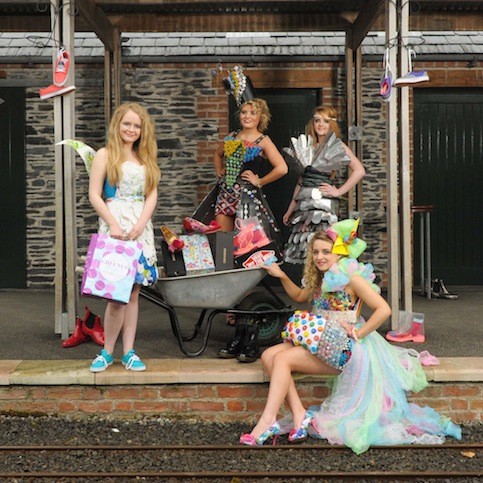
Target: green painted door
448, 173
12, 188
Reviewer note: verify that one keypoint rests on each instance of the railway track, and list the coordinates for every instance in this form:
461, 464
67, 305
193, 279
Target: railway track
204, 462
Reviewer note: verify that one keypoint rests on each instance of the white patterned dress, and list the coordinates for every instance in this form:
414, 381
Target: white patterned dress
126, 202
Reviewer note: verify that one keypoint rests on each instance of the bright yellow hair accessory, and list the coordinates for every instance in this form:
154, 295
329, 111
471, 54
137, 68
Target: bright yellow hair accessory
344, 235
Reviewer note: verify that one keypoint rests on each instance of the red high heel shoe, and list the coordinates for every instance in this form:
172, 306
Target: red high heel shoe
192, 225
92, 327
77, 337
174, 243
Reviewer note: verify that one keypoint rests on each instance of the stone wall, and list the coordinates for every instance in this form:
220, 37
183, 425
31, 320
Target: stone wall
190, 111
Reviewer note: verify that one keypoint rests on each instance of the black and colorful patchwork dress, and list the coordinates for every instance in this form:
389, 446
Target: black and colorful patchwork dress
239, 198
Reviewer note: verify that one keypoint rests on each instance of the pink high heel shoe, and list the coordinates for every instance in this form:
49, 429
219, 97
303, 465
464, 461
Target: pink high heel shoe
272, 432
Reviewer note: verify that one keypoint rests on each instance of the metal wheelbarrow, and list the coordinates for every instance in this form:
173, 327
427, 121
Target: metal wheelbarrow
228, 292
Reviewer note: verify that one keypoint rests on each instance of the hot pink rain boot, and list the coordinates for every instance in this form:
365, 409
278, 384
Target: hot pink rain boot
415, 334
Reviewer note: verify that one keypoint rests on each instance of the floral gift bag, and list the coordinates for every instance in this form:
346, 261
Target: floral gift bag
110, 268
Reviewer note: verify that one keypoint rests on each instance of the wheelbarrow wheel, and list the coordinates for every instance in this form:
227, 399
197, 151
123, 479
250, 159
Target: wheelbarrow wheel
270, 327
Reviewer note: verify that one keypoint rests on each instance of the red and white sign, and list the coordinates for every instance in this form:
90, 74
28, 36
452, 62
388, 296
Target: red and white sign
258, 258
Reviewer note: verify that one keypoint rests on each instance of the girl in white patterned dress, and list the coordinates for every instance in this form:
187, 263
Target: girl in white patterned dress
123, 191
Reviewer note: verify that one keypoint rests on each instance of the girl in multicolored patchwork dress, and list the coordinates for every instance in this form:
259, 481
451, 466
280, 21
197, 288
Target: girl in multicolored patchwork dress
238, 163
123, 191
368, 405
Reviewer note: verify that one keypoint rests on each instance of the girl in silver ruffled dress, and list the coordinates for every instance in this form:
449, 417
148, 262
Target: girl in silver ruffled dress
315, 201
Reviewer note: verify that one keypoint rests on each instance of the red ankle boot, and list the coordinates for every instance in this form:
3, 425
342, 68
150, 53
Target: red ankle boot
92, 327
78, 337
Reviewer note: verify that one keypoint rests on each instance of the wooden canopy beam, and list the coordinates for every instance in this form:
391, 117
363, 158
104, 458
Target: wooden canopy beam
365, 20
99, 21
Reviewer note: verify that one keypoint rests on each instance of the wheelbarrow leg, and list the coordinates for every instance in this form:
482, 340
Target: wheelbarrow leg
157, 299
197, 326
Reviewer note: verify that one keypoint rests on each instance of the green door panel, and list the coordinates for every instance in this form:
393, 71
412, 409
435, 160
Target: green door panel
12, 188
448, 173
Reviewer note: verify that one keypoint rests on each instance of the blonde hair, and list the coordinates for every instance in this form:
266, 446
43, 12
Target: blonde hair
312, 275
260, 106
329, 112
145, 147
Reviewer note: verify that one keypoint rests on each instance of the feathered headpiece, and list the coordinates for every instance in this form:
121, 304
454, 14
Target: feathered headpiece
239, 85
344, 235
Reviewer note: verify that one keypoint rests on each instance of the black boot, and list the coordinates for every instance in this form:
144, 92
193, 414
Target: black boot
250, 351
439, 290
233, 347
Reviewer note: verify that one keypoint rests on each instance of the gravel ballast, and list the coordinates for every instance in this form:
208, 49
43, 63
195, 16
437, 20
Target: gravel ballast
65, 431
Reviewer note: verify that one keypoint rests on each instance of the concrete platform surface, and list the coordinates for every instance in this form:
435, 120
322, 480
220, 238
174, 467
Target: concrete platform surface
193, 371
454, 328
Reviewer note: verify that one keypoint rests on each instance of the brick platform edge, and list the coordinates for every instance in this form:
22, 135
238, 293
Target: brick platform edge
207, 390
205, 402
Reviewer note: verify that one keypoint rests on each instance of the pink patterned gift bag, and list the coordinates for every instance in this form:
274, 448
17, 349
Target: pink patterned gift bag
197, 254
110, 268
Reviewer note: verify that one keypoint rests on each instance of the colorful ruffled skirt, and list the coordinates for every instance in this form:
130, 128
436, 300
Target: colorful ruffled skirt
368, 405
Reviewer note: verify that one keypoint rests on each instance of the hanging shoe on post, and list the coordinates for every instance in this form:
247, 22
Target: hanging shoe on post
385, 86
234, 346
250, 351
60, 75
413, 76
53, 90
61, 67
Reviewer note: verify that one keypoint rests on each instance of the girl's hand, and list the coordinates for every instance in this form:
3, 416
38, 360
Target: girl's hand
349, 328
329, 190
115, 231
286, 217
251, 177
136, 231
274, 270
220, 172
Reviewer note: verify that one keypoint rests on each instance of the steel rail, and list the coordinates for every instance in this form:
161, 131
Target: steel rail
240, 447
183, 475
249, 474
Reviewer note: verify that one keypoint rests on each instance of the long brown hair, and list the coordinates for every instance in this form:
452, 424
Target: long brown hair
145, 147
329, 112
312, 275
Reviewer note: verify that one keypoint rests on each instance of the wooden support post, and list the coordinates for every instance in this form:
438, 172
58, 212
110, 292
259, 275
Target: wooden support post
107, 88
405, 168
66, 287
59, 278
358, 122
392, 175
117, 68
350, 111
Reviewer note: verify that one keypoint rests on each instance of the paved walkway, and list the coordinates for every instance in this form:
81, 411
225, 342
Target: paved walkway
454, 328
